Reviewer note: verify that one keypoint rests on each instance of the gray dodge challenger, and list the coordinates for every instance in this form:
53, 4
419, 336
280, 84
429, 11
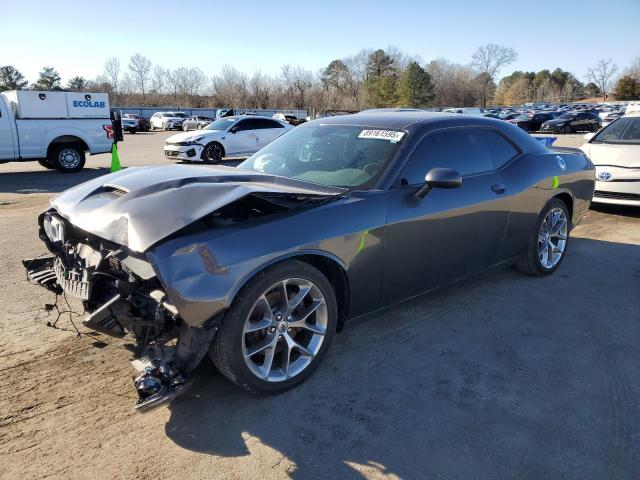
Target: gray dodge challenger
259, 266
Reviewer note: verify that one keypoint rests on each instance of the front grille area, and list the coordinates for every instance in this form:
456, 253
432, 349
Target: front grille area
617, 196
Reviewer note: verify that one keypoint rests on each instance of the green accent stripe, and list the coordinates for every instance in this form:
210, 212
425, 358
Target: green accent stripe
555, 182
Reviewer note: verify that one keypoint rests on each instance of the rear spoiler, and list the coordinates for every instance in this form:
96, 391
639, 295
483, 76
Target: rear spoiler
573, 150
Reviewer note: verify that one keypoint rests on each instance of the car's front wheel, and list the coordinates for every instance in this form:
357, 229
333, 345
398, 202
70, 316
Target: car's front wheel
566, 129
278, 329
212, 153
548, 243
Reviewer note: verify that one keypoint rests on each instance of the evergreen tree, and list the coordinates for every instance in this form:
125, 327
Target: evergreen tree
77, 84
414, 87
627, 88
11, 79
49, 79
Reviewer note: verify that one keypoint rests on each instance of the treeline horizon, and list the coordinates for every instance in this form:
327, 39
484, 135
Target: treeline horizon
371, 78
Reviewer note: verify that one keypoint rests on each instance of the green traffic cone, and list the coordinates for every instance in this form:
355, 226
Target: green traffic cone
115, 161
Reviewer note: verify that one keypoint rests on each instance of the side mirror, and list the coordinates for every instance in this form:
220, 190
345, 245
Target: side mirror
589, 136
439, 178
233, 130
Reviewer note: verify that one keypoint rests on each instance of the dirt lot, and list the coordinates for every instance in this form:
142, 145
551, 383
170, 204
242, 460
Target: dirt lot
504, 376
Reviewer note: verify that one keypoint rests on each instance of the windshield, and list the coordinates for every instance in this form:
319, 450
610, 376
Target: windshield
522, 117
220, 124
623, 130
180, 114
334, 155
567, 116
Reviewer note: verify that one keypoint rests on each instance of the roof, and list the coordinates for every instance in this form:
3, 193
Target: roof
382, 118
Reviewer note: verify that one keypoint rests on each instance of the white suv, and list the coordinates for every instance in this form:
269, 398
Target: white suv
167, 120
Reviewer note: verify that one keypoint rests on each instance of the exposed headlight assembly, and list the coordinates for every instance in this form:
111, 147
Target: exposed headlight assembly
53, 228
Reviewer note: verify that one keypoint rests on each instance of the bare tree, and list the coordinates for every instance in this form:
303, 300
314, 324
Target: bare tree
112, 73
602, 75
260, 90
296, 82
230, 87
140, 66
488, 61
159, 79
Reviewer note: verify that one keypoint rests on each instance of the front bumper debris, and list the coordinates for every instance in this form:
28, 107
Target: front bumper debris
116, 305
159, 381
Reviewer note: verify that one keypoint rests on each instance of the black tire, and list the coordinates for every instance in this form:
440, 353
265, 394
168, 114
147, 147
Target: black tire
59, 157
45, 163
530, 262
566, 129
226, 348
212, 153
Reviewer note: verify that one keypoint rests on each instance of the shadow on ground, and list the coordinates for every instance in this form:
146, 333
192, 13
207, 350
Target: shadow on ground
502, 376
620, 210
45, 181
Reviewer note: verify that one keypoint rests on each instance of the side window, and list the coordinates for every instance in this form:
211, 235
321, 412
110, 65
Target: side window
244, 125
264, 123
495, 146
466, 150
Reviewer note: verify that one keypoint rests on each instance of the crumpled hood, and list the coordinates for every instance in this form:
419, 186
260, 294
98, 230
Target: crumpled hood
138, 207
615, 155
189, 136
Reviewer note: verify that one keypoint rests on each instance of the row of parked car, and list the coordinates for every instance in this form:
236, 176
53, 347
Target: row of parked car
559, 118
133, 123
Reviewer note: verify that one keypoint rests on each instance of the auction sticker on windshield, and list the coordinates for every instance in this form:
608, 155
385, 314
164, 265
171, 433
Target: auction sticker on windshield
390, 135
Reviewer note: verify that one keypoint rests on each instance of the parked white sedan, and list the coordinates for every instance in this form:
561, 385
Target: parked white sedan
225, 137
615, 151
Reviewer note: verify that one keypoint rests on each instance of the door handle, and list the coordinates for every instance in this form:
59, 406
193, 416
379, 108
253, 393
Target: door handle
499, 188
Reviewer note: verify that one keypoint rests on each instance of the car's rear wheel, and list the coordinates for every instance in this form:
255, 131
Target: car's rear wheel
212, 153
278, 329
67, 158
548, 243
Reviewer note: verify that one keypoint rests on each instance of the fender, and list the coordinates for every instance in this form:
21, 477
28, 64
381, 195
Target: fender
280, 258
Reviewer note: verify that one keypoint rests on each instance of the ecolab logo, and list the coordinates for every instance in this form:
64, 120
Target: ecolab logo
87, 103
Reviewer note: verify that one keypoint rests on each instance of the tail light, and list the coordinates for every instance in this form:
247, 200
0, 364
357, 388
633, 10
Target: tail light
109, 130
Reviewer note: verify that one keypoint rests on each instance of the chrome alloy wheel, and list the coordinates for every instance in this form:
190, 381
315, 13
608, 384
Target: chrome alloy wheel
69, 158
285, 330
552, 238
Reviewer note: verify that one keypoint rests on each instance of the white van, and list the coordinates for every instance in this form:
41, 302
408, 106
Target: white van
463, 110
54, 128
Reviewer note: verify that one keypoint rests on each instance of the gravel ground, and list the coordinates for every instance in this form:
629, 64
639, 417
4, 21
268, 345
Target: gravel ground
502, 376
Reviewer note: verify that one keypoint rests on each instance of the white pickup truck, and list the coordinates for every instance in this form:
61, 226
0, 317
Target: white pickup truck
55, 128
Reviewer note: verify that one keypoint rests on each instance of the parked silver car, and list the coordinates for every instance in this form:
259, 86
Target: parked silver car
196, 122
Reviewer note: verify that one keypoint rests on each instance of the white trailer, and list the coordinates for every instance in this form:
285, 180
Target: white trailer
55, 128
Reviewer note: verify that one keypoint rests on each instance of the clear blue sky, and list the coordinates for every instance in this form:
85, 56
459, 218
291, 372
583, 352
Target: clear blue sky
77, 37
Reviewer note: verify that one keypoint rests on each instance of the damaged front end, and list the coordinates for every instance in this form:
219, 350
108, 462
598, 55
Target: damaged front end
122, 295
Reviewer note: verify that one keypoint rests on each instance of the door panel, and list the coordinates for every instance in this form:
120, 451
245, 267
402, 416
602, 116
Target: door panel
243, 141
443, 237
